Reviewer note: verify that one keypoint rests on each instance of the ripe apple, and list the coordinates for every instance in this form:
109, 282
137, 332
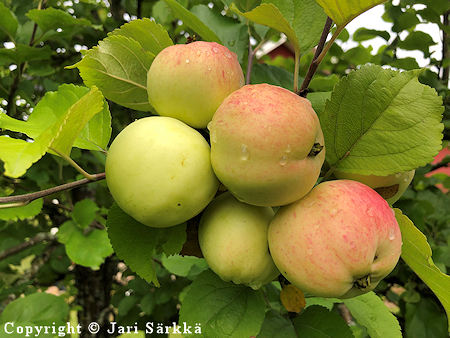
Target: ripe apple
158, 170
338, 241
266, 145
390, 187
188, 82
233, 240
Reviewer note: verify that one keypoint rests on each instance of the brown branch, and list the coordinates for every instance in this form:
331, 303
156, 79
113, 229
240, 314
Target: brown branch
303, 91
445, 49
39, 194
38, 238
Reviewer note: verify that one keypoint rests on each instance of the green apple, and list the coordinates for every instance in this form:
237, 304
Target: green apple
338, 241
158, 170
188, 82
233, 240
390, 187
266, 145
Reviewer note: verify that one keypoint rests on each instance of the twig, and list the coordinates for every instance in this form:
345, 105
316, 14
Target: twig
39, 194
38, 238
303, 91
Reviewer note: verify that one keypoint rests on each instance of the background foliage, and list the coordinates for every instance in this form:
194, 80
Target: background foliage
59, 245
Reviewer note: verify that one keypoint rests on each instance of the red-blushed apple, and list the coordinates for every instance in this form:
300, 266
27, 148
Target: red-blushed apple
188, 82
390, 187
339, 241
158, 170
267, 145
233, 240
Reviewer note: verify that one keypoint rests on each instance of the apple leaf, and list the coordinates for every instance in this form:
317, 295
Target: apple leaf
150, 35
370, 311
416, 252
136, 244
276, 326
95, 134
223, 309
52, 19
23, 53
344, 11
118, 66
380, 121
89, 249
8, 22
317, 321
192, 21
84, 212
292, 298
20, 213
185, 266
363, 34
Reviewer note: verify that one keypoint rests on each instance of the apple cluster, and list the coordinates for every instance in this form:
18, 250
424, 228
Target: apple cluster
338, 238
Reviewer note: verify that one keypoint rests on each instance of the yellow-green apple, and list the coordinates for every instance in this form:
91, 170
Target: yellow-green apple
233, 240
158, 170
390, 187
340, 240
266, 145
188, 82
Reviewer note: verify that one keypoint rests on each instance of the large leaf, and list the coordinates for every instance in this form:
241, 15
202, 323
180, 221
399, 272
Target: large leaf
95, 134
343, 11
8, 22
276, 326
371, 312
52, 19
137, 244
20, 213
192, 21
223, 309
18, 155
379, 121
416, 252
118, 66
24, 53
151, 36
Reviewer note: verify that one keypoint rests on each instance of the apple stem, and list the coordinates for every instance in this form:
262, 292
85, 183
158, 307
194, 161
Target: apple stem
74, 164
318, 56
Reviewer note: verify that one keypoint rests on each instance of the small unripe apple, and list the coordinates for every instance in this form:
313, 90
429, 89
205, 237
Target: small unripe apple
267, 145
338, 241
233, 240
390, 187
158, 170
188, 82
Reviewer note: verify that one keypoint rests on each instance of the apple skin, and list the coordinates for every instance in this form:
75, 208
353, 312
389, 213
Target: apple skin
390, 187
336, 239
159, 172
188, 82
261, 137
233, 240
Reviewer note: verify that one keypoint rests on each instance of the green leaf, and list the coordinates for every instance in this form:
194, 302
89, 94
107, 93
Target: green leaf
264, 73
23, 53
19, 155
20, 213
118, 66
363, 34
416, 252
192, 21
318, 322
137, 244
89, 249
318, 101
52, 19
37, 309
151, 36
323, 83
371, 312
84, 212
185, 266
418, 40
344, 11
223, 309
8, 22
232, 33
419, 314
95, 135
276, 326
379, 121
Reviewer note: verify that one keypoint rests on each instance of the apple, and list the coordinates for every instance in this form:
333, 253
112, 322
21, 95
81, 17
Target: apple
188, 82
266, 145
233, 240
390, 187
158, 170
338, 241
